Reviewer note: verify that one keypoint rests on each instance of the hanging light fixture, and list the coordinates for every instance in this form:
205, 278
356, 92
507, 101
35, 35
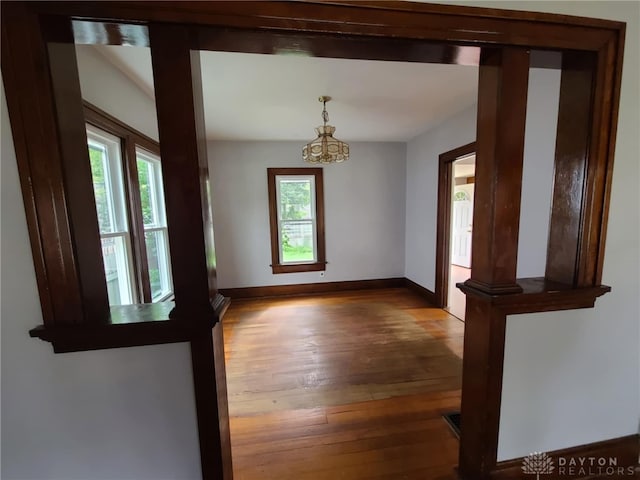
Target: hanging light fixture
325, 148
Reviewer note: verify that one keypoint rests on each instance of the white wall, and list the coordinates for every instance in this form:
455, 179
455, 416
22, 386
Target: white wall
572, 378
422, 181
537, 171
108, 88
364, 212
422, 192
125, 414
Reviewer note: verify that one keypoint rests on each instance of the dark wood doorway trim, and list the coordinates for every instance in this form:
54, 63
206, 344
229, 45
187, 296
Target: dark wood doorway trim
45, 109
443, 228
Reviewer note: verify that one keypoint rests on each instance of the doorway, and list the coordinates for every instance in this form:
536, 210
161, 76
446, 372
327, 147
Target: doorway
456, 187
460, 229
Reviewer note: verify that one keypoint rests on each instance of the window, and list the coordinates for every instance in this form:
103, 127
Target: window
127, 185
108, 188
296, 210
155, 223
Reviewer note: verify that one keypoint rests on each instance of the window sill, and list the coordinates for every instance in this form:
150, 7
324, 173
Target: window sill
540, 295
299, 267
128, 326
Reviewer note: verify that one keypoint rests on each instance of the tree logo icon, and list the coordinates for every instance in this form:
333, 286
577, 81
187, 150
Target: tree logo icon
538, 464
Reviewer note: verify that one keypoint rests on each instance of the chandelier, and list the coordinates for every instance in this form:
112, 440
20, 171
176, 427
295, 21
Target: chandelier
325, 148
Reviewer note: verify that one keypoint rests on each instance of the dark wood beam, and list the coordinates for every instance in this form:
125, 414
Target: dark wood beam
502, 106
335, 46
440, 23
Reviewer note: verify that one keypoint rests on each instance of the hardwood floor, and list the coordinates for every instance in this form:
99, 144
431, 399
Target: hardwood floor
457, 301
342, 386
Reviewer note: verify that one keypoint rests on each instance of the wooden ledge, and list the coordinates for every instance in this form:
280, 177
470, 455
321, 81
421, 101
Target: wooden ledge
128, 326
540, 295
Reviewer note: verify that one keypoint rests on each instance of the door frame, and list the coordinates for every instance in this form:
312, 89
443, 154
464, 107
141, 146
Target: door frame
65, 251
443, 227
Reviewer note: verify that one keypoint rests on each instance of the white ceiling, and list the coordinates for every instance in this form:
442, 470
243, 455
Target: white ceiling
274, 97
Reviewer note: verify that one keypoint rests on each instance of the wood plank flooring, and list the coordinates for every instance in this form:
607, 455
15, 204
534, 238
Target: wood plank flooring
349, 385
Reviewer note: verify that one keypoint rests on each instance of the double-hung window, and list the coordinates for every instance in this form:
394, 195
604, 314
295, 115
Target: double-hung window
127, 185
155, 223
106, 170
296, 209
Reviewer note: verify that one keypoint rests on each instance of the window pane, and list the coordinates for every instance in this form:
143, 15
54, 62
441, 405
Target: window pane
99, 172
108, 180
295, 199
116, 269
151, 194
149, 205
297, 241
158, 260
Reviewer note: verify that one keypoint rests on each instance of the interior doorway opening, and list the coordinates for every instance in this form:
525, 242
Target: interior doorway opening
456, 191
460, 231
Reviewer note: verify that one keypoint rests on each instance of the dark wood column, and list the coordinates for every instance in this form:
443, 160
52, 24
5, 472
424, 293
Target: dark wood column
178, 88
502, 106
65, 80
481, 388
39, 68
502, 99
572, 151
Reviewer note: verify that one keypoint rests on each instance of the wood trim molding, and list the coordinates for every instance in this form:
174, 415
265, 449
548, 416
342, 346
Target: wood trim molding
428, 295
327, 287
321, 262
443, 227
101, 119
539, 295
311, 288
624, 451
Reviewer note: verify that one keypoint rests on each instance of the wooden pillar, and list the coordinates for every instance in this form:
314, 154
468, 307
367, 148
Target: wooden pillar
65, 80
481, 388
184, 163
566, 241
178, 88
502, 99
45, 106
502, 106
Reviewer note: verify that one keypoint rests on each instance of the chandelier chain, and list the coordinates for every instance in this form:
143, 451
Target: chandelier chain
325, 114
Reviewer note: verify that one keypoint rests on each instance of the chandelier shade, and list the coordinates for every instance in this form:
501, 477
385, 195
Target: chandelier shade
325, 148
